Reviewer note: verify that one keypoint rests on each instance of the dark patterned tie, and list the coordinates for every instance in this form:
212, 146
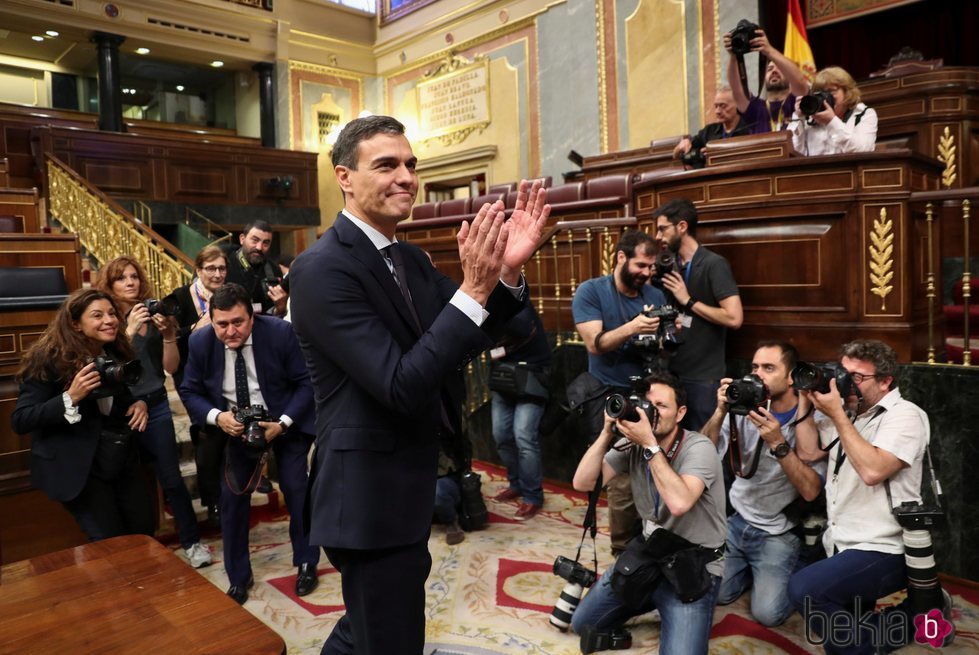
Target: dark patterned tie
393, 254
241, 379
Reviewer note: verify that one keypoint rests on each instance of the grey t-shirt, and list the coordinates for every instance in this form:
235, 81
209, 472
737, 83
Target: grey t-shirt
761, 498
709, 280
705, 524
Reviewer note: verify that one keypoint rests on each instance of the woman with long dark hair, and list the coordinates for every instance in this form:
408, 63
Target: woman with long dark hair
81, 421
154, 340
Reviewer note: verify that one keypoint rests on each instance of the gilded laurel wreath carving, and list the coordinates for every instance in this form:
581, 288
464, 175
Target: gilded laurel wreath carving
881, 257
946, 155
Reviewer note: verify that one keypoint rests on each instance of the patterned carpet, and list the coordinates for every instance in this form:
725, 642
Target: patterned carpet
493, 593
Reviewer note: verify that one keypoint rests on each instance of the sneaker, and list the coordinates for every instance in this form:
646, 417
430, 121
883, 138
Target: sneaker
506, 495
199, 555
454, 534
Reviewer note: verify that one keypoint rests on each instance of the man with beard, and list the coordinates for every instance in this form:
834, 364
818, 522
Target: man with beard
705, 291
251, 267
729, 123
783, 82
608, 312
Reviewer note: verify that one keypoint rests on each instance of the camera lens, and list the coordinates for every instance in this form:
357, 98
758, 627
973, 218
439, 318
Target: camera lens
615, 405
805, 376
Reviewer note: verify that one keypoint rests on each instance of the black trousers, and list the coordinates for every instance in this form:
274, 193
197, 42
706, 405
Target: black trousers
209, 457
384, 592
111, 509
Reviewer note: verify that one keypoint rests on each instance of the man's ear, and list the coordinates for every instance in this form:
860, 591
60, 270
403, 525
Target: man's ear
681, 411
241, 238
342, 174
682, 230
620, 257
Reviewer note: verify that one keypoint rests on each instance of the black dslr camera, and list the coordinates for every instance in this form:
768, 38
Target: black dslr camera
578, 578
627, 408
666, 262
694, 158
253, 434
912, 515
746, 395
813, 103
112, 372
742, 35
269, 282
594, 640
166, 307
647, 346
815, 377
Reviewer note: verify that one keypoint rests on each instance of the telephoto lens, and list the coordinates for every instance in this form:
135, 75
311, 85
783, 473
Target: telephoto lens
925, 592
565, 606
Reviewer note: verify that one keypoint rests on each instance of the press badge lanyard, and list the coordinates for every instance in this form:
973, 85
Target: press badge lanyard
674, 449
776, 124
840, 455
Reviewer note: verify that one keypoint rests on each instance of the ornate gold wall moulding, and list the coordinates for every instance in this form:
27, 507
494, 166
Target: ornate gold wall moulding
946, 155
881, 257
452, 63
453, 100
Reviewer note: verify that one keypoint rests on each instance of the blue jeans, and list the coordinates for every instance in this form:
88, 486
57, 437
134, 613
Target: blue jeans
685, 626
850, 582
515, 426
765, 563
159, 441
447, 499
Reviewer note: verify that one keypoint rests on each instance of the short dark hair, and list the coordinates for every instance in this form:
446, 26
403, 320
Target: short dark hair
630, 241
876, 352
670, 380
361, 129
258, 224
679, 209
790, 356
226, 296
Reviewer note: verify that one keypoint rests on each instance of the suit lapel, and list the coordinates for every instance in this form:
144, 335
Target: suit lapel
217, 371
364, 251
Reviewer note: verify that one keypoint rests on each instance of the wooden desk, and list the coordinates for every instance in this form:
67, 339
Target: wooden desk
123, 595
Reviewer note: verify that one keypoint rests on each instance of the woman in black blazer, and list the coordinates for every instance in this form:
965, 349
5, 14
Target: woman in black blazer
83, 453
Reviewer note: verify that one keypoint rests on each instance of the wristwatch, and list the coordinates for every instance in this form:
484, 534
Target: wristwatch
780, 450
282, 424
649, 452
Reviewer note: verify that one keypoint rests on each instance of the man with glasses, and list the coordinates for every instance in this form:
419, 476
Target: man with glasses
875, 441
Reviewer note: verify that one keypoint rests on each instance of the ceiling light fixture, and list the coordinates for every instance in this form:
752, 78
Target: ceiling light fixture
142, 51
37, 38
180, 87
52, 33
217, 63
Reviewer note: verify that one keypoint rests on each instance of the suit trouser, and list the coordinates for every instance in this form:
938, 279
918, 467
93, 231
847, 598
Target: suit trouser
384, 592
290, 450
209, 457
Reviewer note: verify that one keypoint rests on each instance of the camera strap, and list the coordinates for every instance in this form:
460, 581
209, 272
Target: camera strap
735, 455
936, 486
743, 75
590, 524
253, 479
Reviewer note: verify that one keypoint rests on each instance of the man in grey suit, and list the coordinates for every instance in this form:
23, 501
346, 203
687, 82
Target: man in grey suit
386, 337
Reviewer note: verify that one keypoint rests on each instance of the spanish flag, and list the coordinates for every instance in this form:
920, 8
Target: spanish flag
797, 43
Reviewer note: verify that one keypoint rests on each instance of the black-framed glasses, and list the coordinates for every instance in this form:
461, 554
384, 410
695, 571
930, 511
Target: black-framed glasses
211, 270
858, 378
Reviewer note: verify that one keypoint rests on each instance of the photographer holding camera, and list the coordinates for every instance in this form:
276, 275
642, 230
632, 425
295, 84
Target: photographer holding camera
755, 418
876, 441
678, 486
729, 123
237, 367
81, 417
703, 288
251, 267
152, 331
609, 313
784, 82
832, 120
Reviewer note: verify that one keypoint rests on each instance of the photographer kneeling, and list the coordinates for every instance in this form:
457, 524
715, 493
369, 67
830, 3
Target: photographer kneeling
237, 367
876, 442
679, 492
75, 403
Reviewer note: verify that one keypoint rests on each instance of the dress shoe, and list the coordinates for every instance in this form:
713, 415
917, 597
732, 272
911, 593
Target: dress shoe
240, 592
306, 580
454, 534
526, 511
506, 495
214, 516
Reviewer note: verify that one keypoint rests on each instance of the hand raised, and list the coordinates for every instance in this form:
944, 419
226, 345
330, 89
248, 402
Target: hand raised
85, 381
526, 227
481, 248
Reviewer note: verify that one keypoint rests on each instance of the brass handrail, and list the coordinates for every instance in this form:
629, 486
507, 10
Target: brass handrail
143, 213
106, 230
211, 225
962, 198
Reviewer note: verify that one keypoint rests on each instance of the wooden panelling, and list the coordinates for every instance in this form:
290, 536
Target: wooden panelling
833, 181
21, 207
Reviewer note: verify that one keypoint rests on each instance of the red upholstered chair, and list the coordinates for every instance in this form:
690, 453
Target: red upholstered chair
491, 197
503, 188
454, 207
609, 186
425, 210
11, 224
570, 192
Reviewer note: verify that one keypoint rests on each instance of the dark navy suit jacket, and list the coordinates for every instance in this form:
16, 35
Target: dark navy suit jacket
279, 365
379, 384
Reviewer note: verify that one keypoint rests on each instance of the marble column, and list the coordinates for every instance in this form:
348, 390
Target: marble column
110, 92
266, 94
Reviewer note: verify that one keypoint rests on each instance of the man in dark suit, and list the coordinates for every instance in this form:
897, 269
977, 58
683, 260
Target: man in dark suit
386, 337
244, 359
